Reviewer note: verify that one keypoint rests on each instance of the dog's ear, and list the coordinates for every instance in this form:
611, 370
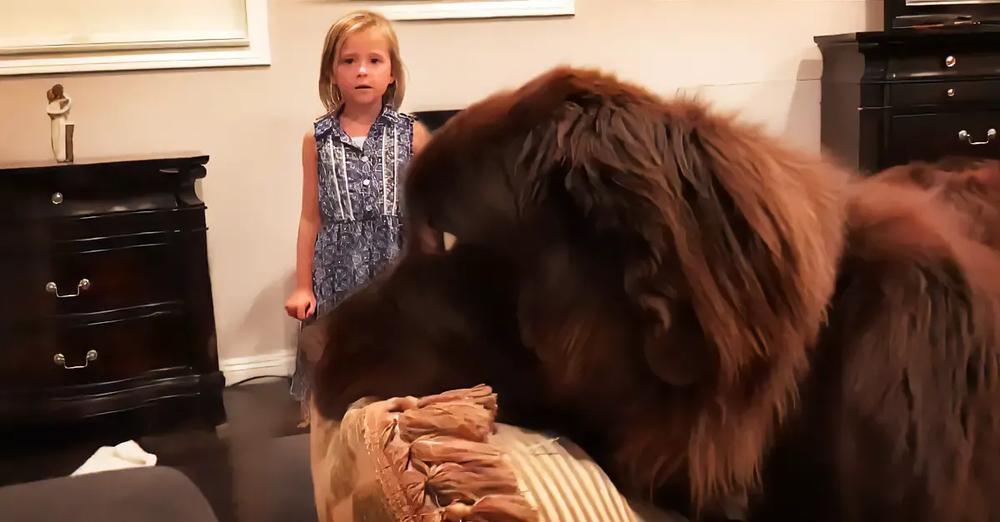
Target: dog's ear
313, 338
919, 173
729, 243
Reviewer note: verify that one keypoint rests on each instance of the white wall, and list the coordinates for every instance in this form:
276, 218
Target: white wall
755, 56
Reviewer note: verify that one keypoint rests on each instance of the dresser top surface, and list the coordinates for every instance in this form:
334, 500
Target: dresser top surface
95, 163
980, 31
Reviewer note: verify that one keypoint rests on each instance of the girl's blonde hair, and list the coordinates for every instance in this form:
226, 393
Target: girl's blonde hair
335, 37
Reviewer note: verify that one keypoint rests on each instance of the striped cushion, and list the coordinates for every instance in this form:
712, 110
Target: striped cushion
563, 483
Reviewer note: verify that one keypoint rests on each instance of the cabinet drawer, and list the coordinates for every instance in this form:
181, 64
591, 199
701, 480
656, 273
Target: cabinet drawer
55, 199
16, 237
933, 136
945, 93
118, 350
90, 281
943, 64
81, 190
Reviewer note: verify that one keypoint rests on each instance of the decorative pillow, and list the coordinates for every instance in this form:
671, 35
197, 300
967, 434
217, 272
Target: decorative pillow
444, 458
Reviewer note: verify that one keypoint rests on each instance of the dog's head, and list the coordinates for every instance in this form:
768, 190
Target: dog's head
431, 324
650, 255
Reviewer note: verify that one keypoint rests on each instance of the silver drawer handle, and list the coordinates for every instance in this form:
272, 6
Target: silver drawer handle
60, 360
950, 93
964, 135
57, 198
950, 61
52, 288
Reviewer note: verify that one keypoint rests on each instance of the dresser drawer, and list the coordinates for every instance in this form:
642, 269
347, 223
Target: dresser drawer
944, 93
90, 281
98, 352
933, 136
73, 190
943, 64
55, 198
18, 237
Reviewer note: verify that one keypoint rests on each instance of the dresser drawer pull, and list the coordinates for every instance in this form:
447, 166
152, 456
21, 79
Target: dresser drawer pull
950, 61
950, 93
52, 288
57, 198
964, 135
60, 360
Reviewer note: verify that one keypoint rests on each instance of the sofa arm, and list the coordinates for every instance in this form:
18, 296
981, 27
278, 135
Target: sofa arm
149, 494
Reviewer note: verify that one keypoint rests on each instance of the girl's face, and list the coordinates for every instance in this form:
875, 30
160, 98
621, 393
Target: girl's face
363, 70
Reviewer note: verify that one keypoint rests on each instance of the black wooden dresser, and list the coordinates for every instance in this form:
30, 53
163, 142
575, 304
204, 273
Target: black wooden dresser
105, 296
890, 97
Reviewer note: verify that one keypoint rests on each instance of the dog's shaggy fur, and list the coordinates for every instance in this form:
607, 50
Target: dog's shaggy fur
705, 311
969, 185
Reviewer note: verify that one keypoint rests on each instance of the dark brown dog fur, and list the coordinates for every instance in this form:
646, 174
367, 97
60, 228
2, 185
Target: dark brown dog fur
969, 185
706, 311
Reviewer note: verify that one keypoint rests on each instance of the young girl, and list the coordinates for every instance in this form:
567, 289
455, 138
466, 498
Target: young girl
352, 163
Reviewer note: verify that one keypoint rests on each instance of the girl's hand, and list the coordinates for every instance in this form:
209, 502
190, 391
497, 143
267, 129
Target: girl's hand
301, 304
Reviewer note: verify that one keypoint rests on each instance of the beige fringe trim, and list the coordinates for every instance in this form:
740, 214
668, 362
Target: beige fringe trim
435, 463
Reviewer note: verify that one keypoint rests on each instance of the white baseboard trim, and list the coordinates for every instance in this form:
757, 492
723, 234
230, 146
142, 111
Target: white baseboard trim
236, 369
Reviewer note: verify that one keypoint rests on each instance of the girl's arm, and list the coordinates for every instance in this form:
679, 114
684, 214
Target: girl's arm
302, 303
420, 137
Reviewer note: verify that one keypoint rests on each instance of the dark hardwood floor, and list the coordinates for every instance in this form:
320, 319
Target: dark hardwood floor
250, 468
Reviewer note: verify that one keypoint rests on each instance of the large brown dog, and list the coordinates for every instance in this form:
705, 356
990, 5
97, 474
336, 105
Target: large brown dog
703, 310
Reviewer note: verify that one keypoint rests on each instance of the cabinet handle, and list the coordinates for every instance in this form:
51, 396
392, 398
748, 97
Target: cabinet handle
57, 198
950, 61
964, 135
52, 288
950, 93
60, 360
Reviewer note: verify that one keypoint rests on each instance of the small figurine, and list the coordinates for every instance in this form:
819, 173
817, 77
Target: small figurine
62, 128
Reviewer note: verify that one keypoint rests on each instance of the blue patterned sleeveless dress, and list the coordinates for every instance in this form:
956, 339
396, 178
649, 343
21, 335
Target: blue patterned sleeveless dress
359, 206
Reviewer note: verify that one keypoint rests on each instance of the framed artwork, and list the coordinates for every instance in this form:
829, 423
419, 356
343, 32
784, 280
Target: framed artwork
60, 36
465, 9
